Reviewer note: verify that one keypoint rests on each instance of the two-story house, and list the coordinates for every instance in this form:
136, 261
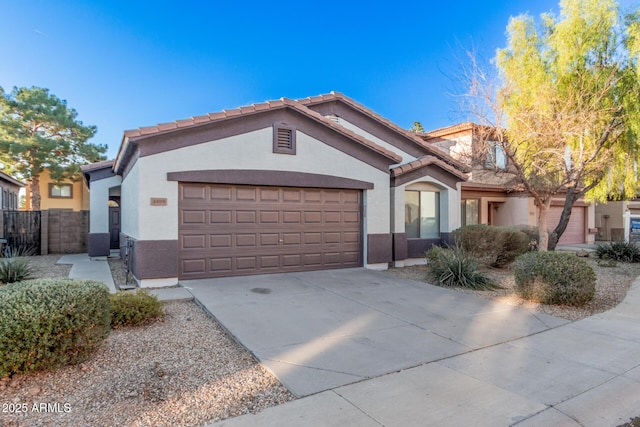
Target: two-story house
492, 195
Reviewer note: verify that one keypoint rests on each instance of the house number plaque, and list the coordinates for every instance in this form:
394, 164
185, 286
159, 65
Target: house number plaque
158, 201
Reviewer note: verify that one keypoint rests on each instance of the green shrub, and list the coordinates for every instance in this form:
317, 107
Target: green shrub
453, 267
48, 323
134, 308
15, 270
619, 251
532, 233
555, 278
492, 246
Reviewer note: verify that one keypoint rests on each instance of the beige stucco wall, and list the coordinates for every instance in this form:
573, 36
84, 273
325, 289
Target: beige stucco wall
252, 150
516, 211
79, 201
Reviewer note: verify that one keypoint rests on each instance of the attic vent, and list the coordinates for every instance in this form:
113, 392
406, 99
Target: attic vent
334, 118
284, 139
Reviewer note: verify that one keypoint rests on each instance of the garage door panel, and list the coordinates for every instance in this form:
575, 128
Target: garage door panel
220, 217
269, 217
194, 192
221, 193
291, 195
253, 230
246, 240
194, 266
245, 194
220, 240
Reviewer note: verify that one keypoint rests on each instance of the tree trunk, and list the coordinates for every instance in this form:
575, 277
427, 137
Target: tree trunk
569, 201
543, 235
34, 187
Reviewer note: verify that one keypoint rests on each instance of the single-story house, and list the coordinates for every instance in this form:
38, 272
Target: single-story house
491, 195
286, 185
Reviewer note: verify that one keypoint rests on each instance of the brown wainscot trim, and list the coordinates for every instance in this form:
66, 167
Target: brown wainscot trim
269, 178
154, 259
416, 248
379, 248
99, 244
400, 246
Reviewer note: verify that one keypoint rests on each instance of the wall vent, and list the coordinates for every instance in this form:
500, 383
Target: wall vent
284, 139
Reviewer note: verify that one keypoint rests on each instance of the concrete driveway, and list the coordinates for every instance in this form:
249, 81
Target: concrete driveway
320, 330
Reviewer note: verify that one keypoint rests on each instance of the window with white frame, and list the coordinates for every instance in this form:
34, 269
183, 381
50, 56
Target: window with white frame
422, 214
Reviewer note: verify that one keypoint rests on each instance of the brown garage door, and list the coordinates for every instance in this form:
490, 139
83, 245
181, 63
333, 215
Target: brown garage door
232, 230
575, 229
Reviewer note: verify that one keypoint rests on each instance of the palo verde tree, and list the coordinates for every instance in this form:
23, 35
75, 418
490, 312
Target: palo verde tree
566, 106
37, 132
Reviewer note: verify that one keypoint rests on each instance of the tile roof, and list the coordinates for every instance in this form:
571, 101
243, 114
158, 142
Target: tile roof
416, 138
139, 133
426, 161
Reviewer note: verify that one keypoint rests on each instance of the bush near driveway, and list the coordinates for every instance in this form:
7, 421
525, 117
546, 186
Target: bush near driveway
454, 267
554, 278
134, 308
619, 251
492, 246
48, 323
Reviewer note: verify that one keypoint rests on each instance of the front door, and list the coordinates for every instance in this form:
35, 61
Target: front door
114, 227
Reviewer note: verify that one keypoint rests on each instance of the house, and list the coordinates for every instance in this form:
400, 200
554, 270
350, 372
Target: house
72, 195
287, 185
611, 218
9, 192
492, 196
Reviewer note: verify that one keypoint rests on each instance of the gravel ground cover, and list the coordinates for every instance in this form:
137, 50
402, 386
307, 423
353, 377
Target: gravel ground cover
183, 371
611, 288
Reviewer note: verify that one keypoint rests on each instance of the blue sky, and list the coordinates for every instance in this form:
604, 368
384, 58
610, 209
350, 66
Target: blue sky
127, 64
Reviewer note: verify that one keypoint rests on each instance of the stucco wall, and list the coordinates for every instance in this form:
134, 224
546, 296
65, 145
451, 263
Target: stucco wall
406, 158
252, 150
78, 202
130, 202
516, 211
99, 204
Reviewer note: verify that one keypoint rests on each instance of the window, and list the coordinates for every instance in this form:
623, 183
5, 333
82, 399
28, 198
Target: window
422, 214
284, 139
61, 191
496, 157
469, 211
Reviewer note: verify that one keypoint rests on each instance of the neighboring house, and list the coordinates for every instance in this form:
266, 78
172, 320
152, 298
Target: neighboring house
63, 195
9, 197
9, 192
610, 218
286, 185
492, 196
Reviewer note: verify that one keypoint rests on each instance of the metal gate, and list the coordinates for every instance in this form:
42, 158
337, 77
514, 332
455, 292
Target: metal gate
22, 231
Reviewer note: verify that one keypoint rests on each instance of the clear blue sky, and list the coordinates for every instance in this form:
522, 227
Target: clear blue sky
126, 64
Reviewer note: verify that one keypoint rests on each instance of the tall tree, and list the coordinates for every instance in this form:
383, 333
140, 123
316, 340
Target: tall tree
567, 105
38, 131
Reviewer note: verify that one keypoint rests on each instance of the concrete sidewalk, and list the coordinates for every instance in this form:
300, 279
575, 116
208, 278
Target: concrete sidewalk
98, 269
495, 367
